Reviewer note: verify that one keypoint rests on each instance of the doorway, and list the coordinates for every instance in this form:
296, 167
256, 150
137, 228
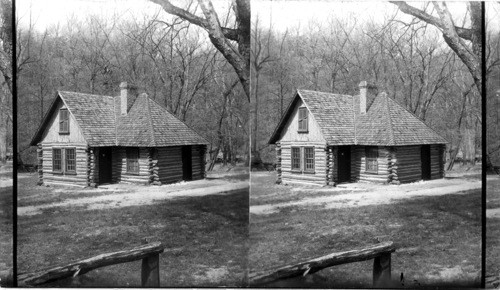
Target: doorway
344, 166
187, 168
425, 155
105, 168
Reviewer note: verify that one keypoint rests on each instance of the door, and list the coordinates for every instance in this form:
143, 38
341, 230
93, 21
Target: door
344, 160
105, 168
187, 168
425, 154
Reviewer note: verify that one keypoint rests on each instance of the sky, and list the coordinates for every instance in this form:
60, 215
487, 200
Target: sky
49, 12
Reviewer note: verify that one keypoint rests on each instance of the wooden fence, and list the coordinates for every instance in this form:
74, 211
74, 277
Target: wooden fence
381, 253
150, 272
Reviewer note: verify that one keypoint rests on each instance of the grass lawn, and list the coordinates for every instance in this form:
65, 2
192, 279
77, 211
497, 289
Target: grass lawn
6, 231
438, 238
205, 238
493, 230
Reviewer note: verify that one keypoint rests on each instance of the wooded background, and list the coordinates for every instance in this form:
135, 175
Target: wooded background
168, 57
408, 57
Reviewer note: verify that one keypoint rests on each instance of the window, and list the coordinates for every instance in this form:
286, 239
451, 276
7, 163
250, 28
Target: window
295, 158
309, 159
371, 159
70, 160
56, 160
63, 121
64, 160
303, 124
133, 160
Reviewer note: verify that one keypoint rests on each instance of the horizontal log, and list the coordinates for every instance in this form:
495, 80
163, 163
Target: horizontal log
83, 266
317, 264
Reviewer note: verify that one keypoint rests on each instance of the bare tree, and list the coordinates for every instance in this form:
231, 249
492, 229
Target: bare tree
6, 82
223, 37
465, 42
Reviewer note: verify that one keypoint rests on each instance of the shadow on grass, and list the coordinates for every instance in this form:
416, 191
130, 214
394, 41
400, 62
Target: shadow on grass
205, 238
433, 235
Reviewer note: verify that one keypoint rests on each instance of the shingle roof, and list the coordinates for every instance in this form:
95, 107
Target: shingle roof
147, 124
333, 113
386, 123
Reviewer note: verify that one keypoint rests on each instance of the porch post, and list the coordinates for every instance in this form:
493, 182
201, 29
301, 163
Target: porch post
278, 162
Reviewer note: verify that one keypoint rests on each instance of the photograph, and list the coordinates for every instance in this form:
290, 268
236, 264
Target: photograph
370, 113
132, 143
312, 144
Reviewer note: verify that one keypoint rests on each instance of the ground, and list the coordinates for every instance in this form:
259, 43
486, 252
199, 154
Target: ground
6, 224
436, 226
493, 231
205, 233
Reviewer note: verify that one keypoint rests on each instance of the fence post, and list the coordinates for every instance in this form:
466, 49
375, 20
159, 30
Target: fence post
382, 271
150, 271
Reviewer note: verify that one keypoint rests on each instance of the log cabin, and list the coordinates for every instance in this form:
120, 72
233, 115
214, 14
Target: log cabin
326, 139
89, 140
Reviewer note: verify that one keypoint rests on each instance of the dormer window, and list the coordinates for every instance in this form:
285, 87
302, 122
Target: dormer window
63, 121
303, 120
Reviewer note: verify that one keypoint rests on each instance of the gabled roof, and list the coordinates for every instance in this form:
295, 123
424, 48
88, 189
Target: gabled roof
147, 124
386, 123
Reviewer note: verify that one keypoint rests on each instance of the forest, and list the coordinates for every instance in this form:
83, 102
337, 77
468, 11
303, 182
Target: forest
167, 57
407, 57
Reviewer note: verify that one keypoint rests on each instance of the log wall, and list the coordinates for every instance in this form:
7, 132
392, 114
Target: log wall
318, 177
119, 166
358, 165
198, 161
50, 177
437, 161
170, 164
409, 163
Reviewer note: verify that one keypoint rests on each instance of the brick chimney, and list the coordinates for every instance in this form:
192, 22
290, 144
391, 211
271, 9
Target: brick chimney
128, 94
367, 93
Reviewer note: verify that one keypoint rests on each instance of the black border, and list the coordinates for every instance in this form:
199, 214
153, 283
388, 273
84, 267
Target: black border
14, 146
483, 149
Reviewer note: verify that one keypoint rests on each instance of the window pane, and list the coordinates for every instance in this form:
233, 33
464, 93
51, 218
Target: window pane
303, 119
70, 159
295, 158
309, 158
56, 160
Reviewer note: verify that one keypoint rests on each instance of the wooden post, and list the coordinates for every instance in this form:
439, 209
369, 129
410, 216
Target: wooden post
382, 271
150, 270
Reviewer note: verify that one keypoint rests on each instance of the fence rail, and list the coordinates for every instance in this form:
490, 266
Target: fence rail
150, 272
381, 253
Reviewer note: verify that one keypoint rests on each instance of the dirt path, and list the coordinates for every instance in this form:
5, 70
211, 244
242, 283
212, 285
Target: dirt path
372, 194
143, 196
